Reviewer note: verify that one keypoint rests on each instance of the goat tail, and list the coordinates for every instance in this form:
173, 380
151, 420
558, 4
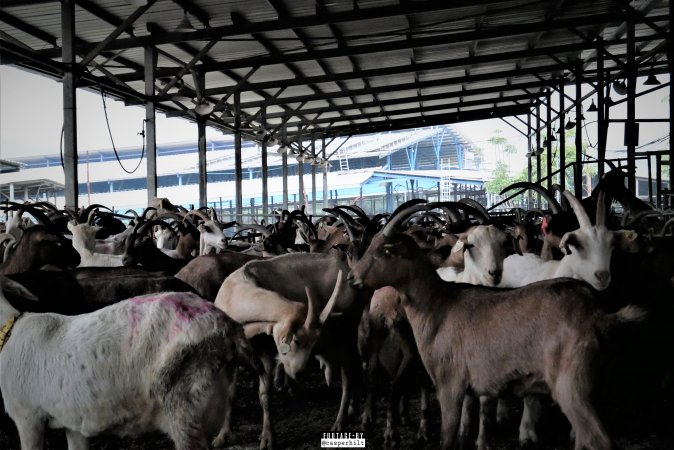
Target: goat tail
627, 314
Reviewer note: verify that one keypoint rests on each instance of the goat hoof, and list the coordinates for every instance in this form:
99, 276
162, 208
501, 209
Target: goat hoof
222, 440
422, 434
391, 438
266, 441
528, 437
337, 427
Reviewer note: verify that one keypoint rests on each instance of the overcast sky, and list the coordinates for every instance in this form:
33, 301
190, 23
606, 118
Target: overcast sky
31, 118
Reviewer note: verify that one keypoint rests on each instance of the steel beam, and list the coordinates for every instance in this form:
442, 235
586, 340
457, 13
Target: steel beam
300, 168
238, 167
203, 175
150, 124
548, 147
70, 157
630, 125
602, 124
578, 174
265, 174
670, 59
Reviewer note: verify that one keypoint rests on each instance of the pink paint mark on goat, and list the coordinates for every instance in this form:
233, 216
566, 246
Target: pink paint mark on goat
186, 307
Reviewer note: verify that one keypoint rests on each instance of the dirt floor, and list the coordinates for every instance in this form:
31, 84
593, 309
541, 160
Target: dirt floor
302, 419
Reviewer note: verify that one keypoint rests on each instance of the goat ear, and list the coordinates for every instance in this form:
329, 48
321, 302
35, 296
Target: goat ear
569, 240
15, 289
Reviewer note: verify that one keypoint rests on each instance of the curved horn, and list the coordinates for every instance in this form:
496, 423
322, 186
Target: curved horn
263, 230
601, 209
403, 206
200, 214
396, 220
358, 211
147, 210
349, 222
313, 318
554, 205
581, 215
478, 206
133, 213
372, 227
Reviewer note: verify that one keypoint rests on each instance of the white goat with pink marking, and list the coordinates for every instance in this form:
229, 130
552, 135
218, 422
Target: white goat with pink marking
156, 362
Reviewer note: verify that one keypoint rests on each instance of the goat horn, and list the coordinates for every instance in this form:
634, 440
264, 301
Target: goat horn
581, 214
263, 230
478, 206
372, 227
133, 212
356, 210
552, 202
198, 213
396, 220
312, 313
349, 222
405, 205
601, 209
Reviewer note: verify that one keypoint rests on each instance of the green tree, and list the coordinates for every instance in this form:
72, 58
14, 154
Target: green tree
501, 178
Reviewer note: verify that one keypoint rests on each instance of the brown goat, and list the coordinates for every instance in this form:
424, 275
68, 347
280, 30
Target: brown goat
543, 337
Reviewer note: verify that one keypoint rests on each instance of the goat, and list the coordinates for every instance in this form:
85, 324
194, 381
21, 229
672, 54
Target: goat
588, 253
40, 247
156, 362
84, 241
386, 343
542, 336
477, 257
292, 313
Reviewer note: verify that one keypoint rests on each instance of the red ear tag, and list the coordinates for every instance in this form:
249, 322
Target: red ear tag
544, 225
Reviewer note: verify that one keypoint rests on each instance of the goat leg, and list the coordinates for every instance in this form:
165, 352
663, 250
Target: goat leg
422, 434
451, 393
76, 440
531, 412
267, 435
340, 422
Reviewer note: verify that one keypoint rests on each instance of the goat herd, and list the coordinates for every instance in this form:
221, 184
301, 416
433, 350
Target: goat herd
121, 324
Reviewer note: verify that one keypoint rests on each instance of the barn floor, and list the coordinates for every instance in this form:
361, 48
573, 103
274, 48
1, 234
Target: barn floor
301, 420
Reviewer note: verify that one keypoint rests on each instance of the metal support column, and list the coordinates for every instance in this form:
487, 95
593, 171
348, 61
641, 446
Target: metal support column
548, 147
538, 148
562, 135
238, 171
150, 123
201, 129
313, 174
69, 104
670, 59
602, 124
300, 167
284, 163
326, 169
578, 173
630, 124
531, 155
265, 172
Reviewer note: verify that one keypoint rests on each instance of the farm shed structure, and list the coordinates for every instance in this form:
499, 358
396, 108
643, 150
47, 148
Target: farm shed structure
299, 74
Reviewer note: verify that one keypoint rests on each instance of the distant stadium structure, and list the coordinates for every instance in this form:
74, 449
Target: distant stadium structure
377, 172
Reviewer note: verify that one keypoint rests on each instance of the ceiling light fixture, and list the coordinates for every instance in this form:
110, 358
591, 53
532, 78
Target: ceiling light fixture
592, 108
620, 87
185, 24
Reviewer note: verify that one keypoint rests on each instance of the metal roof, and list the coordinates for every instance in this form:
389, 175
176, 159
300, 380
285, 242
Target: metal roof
337, 67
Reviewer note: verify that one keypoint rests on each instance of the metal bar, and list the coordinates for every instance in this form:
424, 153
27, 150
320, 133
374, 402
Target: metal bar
284, 162
126, 23
670, 60
150, 124
529, 168
313, 175
238, 171
300, 168
69, 104
602, 123
548, 165
630, 125
203, 176
265, 173
356, 14
513, 127
326, 169
28, 29
578, 174
562, 134
538, 148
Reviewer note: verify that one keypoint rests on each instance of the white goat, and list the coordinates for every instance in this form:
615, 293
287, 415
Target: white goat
84, 241
588, 253
477, 257
155, 362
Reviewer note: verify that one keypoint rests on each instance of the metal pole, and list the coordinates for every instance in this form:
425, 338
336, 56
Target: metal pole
538, 147
548, 131
238, 171
630, 125
313, 174
602, 124
150, 123
578, 174
562, 135
265, 172
201, 128
326, 169
69, 104
300, 167
285, 171
670, 59
529, 168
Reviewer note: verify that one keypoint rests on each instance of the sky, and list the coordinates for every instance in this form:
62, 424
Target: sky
31, 120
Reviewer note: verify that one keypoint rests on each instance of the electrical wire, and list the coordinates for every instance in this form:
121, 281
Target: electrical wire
142, 133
